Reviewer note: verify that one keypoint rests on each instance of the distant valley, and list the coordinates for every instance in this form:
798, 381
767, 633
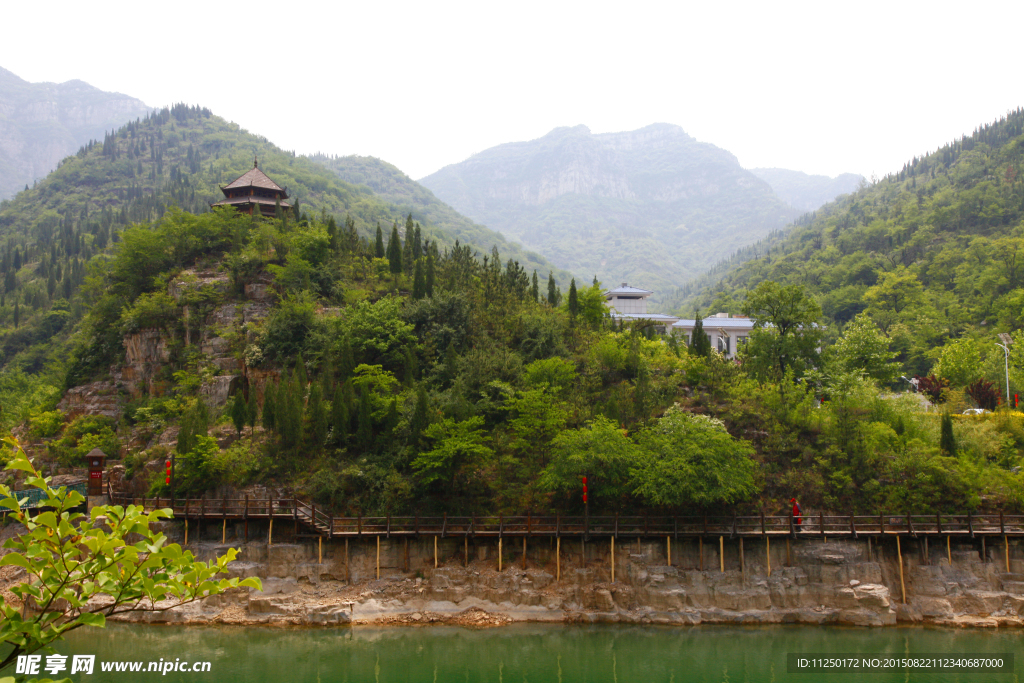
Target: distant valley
653, 206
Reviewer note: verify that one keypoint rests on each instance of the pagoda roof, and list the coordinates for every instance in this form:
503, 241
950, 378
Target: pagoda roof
254, 178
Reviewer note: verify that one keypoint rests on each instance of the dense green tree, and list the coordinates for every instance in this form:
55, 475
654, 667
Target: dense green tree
786, 332
687, 459
419, 283
574, 304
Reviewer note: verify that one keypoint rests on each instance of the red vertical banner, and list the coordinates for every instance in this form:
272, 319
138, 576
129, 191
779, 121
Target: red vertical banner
584, 490
168, 478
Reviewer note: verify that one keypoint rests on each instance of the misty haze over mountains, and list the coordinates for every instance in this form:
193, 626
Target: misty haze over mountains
41, 123
654, 206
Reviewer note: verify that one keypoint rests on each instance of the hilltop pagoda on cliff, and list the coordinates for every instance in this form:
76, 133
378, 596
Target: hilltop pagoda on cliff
253, 189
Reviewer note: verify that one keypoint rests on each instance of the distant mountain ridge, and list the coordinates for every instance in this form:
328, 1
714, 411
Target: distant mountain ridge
652, 206
807, 192
41, 123
407, 196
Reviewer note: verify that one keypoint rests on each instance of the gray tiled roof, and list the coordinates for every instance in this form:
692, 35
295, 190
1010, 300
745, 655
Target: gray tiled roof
254, 178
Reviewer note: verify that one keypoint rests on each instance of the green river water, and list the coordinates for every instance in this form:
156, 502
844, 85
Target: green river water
538, 653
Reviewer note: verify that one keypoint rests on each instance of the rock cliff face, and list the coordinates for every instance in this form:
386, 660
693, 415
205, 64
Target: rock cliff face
821, 583
41, 123
652, 206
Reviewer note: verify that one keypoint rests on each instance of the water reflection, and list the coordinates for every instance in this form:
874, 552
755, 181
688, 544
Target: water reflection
538, 653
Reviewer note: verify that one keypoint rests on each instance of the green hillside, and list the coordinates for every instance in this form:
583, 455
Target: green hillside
177, 157
932, 254
395, 375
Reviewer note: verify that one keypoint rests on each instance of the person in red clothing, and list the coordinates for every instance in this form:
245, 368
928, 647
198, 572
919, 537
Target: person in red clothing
797, 514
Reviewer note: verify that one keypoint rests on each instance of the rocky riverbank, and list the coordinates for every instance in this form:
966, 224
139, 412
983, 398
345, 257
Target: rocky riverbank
813, 582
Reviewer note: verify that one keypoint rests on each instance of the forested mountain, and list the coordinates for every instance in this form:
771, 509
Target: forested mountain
653, 206
807, 192
390, 371
932, 254
41, 123
408, 196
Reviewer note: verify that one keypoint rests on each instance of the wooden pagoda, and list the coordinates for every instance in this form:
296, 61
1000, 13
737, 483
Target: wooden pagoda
254, 189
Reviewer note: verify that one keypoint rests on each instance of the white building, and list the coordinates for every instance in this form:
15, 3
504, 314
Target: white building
726, 334
630, 303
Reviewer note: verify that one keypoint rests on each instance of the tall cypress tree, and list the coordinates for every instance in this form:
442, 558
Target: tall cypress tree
394, 251
947, 441
339, 418
269, 407
332, 231
420, 418
364, 432
535, 289
429, 275
238, 412
252, 411
419, 283
346, 361
700, 344
407, 259
574, 304
552, 290
316, 417
417, 243
378, 244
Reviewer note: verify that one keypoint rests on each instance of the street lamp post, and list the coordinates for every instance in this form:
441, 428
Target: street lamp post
1006, 364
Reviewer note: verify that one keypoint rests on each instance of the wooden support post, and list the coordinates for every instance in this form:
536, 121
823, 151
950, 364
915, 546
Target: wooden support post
984, 551
224, 532
583, 551
435, 552
524, 553
186, 526
1006, 546
558, 559
245, 516
949, 552
768, 553
926, 554
869, 549
721, 553
406, 553
701, 541
465, 549
668, 549
348, 574
789, 558
499, 553
270, 532
743, 566
899, 555
378, 558
613, 559
320, 550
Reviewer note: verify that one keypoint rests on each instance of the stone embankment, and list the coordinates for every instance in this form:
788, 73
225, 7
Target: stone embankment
812, 581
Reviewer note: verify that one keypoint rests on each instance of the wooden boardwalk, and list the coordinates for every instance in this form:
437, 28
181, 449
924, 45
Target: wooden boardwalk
316, 522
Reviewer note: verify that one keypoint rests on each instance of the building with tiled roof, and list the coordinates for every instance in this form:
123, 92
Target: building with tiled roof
254, 189
630, 303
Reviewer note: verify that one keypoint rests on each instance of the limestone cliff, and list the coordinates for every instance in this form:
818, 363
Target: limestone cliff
814, 582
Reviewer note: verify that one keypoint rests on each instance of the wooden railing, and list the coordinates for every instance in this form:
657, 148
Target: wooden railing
323, 523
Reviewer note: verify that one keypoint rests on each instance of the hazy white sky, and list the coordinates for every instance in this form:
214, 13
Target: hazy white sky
821, 87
